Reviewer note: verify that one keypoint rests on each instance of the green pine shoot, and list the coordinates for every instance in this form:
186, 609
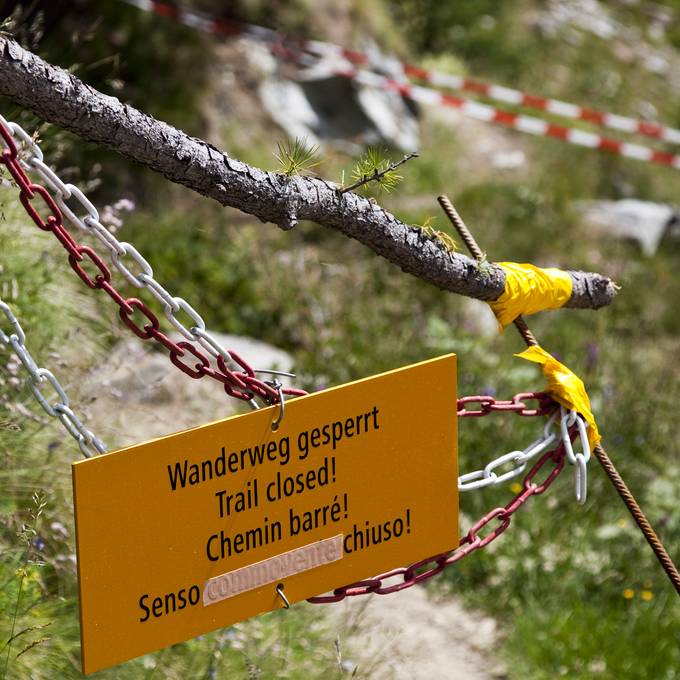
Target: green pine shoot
375, 167
297, 157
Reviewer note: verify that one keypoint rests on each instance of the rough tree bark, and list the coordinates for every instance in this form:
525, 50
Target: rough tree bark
60, 98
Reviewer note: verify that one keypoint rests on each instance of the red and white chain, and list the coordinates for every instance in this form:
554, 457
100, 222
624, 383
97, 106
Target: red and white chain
238, 378
88, 442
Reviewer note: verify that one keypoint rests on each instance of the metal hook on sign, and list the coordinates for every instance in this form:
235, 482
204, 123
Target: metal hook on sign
282, 595
278, 386
272, 372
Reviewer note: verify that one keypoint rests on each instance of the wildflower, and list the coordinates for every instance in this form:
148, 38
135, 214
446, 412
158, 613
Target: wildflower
647, 595
124, 205
629, 593
59, 529
516, 487
592, 355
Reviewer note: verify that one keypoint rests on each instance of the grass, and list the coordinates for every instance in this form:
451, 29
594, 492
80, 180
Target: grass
33, 593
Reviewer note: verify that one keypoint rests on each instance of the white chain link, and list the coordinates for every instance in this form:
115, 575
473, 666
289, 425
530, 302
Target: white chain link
488, 476
580, 459
88, 442
118, 250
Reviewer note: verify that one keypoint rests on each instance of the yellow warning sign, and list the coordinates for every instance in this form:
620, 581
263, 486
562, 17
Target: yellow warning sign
196, 531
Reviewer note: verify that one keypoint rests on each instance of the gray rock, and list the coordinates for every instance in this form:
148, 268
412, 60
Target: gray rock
644, 222
322, 107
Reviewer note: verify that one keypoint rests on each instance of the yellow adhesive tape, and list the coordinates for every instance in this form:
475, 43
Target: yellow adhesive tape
565, 387
530, 289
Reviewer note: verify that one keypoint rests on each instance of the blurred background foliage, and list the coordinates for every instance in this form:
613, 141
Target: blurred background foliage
576, 590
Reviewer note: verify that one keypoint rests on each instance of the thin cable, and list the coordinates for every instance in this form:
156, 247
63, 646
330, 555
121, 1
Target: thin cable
479, 255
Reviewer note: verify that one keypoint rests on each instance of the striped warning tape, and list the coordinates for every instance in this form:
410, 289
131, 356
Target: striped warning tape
508, 95
202, 21
345, 61
554, 106
436, 79
517, 121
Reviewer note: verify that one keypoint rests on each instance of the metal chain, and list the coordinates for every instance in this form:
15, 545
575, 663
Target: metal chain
580, 459
41, 378
489, 476
238, 378
610, 469
406, 577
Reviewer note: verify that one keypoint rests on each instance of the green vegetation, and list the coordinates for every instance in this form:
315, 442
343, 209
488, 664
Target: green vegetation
576, 590
376, 170
297, 157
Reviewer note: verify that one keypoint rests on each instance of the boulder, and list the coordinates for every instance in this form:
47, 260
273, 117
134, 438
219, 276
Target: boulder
644, 222
312, 103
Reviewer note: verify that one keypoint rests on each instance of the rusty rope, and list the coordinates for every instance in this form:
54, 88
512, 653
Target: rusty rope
612, 473
476, 252
639, 516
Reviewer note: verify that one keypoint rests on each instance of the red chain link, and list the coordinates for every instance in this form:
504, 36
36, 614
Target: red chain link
431, 566
517, 404
243, 384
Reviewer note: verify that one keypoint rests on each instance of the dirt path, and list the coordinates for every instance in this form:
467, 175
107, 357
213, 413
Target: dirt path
412, 634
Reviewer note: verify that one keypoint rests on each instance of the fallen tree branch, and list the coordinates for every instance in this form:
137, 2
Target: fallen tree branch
60, 98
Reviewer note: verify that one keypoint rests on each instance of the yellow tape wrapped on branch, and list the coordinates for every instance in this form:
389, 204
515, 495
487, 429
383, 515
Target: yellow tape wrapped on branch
565, 387
530, 289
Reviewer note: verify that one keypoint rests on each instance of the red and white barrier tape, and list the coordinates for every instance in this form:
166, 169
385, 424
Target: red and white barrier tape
517, 121
288, 48
489, 114
554, 106
507, 95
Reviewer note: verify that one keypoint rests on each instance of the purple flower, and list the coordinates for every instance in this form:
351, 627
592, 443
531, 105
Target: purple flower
592, 355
